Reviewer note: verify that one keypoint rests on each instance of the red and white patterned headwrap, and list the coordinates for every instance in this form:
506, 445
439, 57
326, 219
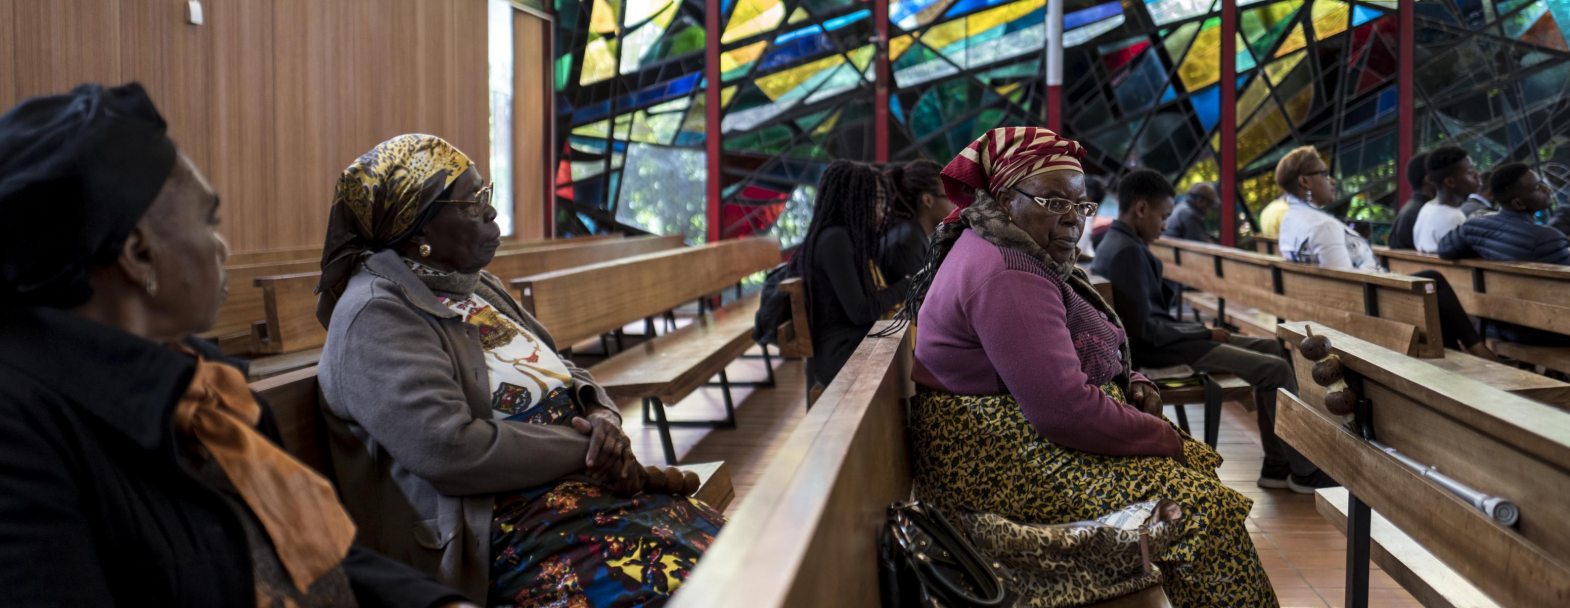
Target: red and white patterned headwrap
1003, 157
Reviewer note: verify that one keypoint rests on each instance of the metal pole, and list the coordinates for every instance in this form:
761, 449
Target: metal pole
1228, 159
711, 109
1406, 42
1055, 65
880, 105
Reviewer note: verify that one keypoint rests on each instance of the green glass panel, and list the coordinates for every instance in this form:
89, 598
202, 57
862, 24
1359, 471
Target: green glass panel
1177, 42
563, 71
1264, 26
684, 39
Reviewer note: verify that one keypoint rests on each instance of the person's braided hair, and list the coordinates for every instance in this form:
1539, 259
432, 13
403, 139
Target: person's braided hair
910, 181
849, 194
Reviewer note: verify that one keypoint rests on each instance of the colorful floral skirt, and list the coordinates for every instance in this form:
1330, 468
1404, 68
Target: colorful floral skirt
575, 544
980, 454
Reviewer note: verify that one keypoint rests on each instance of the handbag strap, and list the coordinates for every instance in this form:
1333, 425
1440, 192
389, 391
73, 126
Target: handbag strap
935, 525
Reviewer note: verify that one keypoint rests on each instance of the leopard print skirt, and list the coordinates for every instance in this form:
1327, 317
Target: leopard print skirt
980, 454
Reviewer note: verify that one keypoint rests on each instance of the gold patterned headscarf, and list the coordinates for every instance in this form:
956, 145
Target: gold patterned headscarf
381, 200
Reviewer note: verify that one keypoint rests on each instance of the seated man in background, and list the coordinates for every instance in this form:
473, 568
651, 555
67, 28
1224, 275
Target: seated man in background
1482, 201
1422, 192
1157, 339
1188, 218
1455, 179
1511, 235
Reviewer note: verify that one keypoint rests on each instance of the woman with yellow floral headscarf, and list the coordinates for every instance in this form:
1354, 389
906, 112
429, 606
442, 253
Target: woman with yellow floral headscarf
463, 443
1026, 409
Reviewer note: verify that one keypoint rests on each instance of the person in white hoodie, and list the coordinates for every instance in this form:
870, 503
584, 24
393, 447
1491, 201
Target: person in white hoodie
1309, 235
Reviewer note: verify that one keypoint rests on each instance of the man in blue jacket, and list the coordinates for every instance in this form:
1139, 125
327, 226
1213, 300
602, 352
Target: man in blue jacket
1511, 235
1144, 301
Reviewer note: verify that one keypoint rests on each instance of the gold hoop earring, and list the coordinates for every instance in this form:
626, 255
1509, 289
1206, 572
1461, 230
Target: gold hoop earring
425, 250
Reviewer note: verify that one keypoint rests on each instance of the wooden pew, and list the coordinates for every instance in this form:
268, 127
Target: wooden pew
583, 302
244, 305
806, 535
289, 321
795, 335
1401, 312
295, 400
1524, 293
1492, 441
1266, 245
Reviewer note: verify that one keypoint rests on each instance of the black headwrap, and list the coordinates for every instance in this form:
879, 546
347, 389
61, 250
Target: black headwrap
77, 172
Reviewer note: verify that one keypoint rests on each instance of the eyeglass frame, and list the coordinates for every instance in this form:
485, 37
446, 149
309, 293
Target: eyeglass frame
482, 198
1046, 203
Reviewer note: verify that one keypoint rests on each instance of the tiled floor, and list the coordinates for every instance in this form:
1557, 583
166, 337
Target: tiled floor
1304, 554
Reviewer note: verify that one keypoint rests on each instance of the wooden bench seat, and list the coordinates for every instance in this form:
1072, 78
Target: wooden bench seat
666, 369
1427, 578
295, 401
1248, 321
289, 323
1494, 442
1529, 294
1214, 390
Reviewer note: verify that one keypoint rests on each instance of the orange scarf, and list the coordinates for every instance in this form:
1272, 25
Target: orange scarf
298, 508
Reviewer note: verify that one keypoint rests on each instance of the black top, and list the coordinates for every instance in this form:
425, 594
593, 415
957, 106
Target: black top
1406, 220
1144, 301
99, 505
1560, 220
903, 250
841, 310
1187, 223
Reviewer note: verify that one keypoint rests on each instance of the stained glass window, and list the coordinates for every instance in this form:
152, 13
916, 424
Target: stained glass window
1142, 90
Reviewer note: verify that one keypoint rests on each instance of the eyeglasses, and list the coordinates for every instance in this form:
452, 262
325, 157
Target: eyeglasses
1059, 206
482, 199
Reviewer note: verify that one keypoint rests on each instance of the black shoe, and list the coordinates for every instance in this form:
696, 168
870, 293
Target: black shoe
1274, 476
1306, 484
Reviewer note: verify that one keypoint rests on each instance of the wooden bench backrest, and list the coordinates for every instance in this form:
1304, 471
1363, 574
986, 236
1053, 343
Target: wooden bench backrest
244, 306
1525, 293
583, 302
1264, 244
1396, 311
1488, 439
806, 534
795, 335
296, 403
288, 301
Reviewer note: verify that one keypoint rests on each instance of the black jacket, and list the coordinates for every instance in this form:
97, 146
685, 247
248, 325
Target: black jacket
1506, 236
842, 307
97, 507
1406, 220
1145, 301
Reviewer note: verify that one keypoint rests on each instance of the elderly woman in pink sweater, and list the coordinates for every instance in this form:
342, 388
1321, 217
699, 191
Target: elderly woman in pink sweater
1026, 406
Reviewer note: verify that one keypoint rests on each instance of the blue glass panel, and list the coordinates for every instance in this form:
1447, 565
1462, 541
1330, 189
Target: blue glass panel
792, 51
1091, 15
660, 92
896, 109
591, 113
1362, 14
1207, 106
1387, 100
810, 30
1168, 95
1140, 89
842, 21
900, 10
968, 6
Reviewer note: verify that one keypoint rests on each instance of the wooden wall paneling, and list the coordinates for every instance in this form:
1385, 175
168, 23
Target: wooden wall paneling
173, 60
468, 75
8, 96
243, 116
63, 43
533, 83
308, 92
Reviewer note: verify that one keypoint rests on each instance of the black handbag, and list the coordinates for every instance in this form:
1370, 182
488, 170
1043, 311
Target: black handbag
923, 561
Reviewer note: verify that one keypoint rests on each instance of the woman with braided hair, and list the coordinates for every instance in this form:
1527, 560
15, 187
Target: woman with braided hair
845, 291
1026, 407
917, 205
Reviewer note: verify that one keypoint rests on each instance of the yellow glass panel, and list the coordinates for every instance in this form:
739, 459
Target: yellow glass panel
598, 130
798, 15
828, 124
1258, 191
1005, 90
1202, 66
639, 11
1256, 94
753, 17
603, 20
1203, 171
776, 85
1277, 72
623, 128
862, 57
640, 131
1330, 18
1299, 105
727, 93
735, 58
944, 34
991, 18
1271, 126
1295, 41
599, 61
899, 45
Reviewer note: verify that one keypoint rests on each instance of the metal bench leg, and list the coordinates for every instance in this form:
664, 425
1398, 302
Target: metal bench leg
646, 419
730, 404
605, 344
648, 327
1212, 411
768, 364
1182, 416
1357, 538
670, 320
665, 428
621, 343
